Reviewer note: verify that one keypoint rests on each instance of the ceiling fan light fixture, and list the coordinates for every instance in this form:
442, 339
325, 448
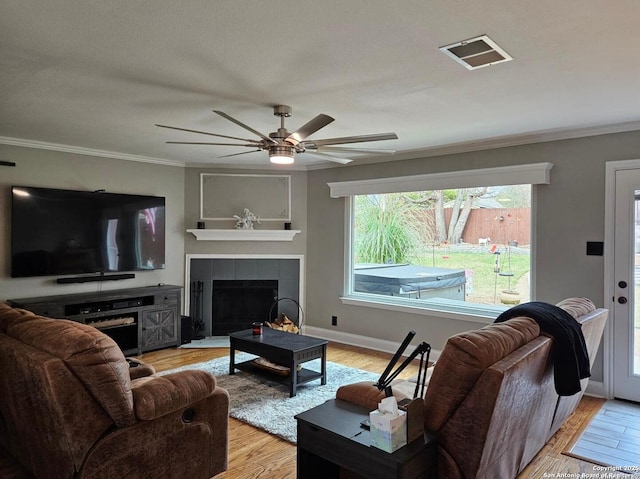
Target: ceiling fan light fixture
281, 145
281, 155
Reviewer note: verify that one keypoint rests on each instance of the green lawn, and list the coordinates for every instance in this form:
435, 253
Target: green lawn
485, 281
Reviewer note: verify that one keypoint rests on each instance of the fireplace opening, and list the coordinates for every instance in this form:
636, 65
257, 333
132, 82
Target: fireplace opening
238, 303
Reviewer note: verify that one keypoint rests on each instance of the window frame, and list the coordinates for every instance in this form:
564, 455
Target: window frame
533, 174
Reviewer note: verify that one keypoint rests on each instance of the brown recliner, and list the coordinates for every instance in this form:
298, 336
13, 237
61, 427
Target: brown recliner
491, 399
70, 409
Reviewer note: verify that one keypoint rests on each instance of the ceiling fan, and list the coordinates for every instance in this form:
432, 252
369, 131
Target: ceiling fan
283, 146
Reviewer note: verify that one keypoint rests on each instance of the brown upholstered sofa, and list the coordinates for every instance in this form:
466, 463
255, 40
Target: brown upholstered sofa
69, 408
491, 398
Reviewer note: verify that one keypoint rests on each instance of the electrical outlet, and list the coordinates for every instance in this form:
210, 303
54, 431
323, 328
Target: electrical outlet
334, 320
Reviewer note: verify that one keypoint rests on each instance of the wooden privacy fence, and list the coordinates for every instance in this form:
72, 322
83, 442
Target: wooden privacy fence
501, 225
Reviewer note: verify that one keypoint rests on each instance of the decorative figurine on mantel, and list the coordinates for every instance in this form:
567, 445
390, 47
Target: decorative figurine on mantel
245, 222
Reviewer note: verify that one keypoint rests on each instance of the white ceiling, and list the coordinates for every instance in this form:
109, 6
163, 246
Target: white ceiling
95, 76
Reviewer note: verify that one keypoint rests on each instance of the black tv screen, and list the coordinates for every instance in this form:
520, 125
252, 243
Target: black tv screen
60, 232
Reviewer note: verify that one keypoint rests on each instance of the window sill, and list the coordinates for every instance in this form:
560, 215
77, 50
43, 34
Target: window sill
473, 312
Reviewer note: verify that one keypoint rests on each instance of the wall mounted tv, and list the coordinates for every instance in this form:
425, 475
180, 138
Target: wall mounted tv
64, 232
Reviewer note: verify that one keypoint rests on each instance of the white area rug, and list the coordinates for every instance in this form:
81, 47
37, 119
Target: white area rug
209, 342
266, 404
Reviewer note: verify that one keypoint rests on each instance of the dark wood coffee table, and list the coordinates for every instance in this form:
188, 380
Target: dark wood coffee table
331, 438
286, 349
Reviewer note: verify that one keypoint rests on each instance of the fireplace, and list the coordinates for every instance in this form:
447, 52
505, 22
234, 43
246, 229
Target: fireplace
266, 277
235, 304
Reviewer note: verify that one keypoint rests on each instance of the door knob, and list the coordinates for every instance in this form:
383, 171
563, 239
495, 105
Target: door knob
622, 300
622, 284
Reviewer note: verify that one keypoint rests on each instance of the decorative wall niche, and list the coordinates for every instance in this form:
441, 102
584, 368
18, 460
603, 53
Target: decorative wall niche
224, 195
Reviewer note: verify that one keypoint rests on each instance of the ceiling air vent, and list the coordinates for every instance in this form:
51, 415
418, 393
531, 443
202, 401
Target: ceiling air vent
476, 52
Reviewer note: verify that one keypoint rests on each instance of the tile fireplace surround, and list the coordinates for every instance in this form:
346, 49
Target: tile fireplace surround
287, 270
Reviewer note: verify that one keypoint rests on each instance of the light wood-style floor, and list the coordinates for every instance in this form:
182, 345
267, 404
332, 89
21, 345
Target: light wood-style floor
613, 437
256, 454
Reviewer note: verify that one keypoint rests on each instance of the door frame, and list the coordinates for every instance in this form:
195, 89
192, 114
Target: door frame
611, 167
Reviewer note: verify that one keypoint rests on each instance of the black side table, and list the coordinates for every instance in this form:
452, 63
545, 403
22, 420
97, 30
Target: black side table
330, 436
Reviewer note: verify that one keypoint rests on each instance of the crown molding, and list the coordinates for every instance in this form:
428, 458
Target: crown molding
455, 148
542, 136
80, 150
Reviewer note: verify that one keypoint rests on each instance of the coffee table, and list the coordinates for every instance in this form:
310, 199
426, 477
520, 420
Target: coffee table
287, 349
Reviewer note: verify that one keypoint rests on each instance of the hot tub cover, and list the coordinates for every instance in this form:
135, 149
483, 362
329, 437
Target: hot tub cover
404, 278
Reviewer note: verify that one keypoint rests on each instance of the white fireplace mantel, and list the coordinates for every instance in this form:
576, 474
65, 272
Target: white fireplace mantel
243, 235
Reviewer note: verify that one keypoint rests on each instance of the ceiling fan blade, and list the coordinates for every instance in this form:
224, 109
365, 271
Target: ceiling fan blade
237, 154
339, 149
206, 143
309, 129
239, 123
342, 161
350, 139
207, 133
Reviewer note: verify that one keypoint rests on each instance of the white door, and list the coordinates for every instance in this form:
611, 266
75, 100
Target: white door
626, 297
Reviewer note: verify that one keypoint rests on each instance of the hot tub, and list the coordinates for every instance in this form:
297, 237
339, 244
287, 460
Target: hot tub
410, 281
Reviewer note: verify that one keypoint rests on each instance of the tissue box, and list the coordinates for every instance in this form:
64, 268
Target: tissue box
388, 432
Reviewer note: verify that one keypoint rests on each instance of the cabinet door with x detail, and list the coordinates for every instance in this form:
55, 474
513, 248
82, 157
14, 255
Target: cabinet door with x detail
159, 329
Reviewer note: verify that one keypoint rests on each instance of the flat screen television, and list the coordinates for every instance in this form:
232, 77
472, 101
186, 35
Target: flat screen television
65, 232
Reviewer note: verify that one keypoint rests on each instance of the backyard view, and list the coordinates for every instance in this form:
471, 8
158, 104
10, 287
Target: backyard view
484, 232
484, 285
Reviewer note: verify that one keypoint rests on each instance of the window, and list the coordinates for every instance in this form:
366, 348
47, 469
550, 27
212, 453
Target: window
461, 249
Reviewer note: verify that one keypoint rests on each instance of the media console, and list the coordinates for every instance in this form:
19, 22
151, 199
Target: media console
138, 319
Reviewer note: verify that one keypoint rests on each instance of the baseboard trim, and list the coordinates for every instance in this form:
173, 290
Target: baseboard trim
595, 388
364, 341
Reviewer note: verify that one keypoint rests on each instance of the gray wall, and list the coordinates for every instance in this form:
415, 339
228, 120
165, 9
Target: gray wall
568, 213
35, 167
298, 218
